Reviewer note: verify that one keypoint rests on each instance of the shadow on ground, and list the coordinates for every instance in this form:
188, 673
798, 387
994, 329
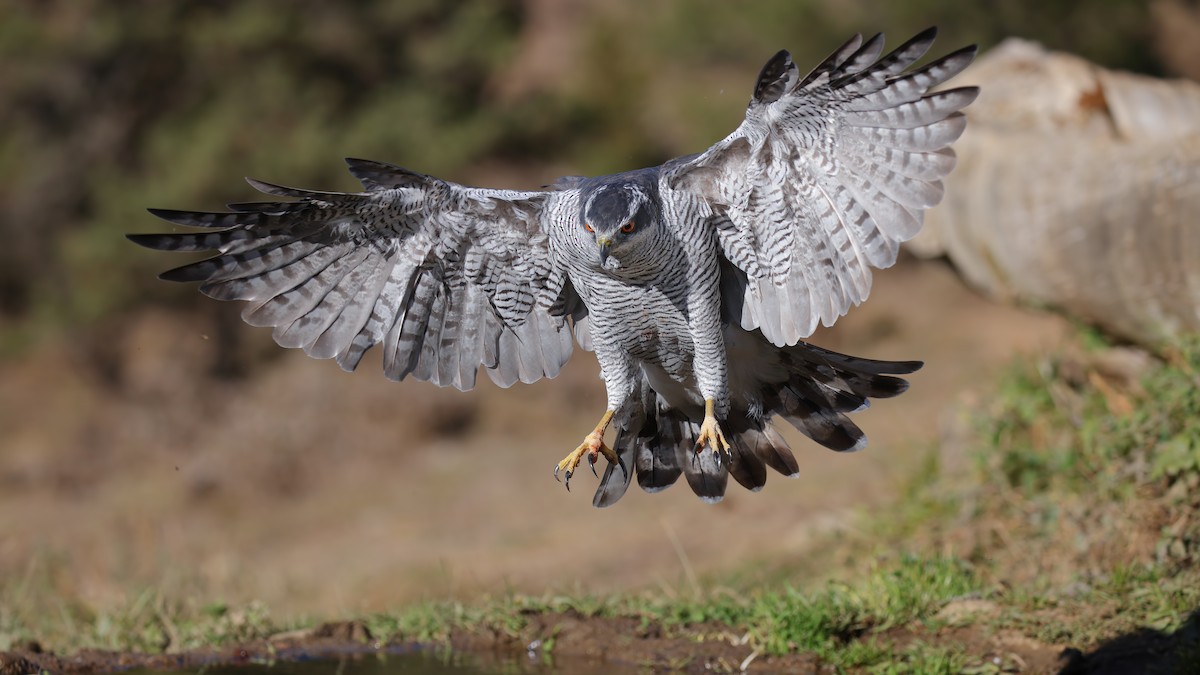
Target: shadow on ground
1142, 650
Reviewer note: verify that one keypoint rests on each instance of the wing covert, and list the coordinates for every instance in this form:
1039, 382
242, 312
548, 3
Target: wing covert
445, 277
824, 179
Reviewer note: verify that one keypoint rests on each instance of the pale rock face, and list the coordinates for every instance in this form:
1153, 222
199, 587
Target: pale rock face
1076, 189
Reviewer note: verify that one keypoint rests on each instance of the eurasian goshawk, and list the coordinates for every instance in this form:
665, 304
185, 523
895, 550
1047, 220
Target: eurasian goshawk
694, 282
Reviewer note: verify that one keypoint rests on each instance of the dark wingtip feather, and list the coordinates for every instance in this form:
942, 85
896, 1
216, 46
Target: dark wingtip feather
922, 41
174, 216
835, 58
844, 51
181, 274
773, 78
193, 218
155, 241
381, 175
873, 44
359, 164
949, 65
270, 208
273, 189
967, 54
928, 34
178, 242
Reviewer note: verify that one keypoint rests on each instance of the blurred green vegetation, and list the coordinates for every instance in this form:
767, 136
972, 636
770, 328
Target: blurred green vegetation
107, 108
1099, 448
1070, 430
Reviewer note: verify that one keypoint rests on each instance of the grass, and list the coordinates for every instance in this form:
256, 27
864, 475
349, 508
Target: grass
836, 621
1132, 598
1077, 519
1070, 426
1123, 452
1084, 462
151, 622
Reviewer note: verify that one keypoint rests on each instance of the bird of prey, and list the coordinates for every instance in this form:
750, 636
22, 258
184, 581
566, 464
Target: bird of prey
694, 282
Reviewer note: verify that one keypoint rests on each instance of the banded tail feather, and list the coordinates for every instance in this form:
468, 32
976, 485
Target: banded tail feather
821, 388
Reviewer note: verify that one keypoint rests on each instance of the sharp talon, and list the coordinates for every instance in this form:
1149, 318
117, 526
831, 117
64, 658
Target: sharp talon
624, 471
592, 447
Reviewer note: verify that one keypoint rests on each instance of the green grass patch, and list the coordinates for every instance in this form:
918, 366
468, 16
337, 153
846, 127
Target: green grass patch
837, 621
151, 623
43, 605
1118, 441
1077, 465
1081, 424
1131, 599
825, 620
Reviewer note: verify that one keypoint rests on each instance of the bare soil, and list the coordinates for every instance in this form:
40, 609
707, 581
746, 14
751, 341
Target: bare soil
593, 644
717, 648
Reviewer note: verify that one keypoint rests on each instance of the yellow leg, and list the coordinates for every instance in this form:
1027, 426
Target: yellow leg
593, 446
710, 432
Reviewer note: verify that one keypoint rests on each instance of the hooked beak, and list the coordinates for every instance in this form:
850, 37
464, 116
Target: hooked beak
605, 245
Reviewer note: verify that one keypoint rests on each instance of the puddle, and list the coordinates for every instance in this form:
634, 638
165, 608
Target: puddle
414, 662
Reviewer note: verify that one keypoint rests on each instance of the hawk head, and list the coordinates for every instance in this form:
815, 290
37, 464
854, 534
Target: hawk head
617, 215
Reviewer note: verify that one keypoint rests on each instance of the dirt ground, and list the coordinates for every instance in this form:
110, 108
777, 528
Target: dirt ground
586, 645
329, 494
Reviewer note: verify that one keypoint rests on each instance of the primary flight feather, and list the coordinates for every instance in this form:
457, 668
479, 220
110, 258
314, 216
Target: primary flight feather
694, 282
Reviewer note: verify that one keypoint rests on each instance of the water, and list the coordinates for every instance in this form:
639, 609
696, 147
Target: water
412, 662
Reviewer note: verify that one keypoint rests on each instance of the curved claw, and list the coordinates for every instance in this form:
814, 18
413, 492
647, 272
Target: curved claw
566, 479
592, 447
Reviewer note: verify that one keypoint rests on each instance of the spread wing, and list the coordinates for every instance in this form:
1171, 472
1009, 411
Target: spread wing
445, 277
824, 179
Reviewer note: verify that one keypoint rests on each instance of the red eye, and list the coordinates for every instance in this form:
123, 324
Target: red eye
588, 227
627, 227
